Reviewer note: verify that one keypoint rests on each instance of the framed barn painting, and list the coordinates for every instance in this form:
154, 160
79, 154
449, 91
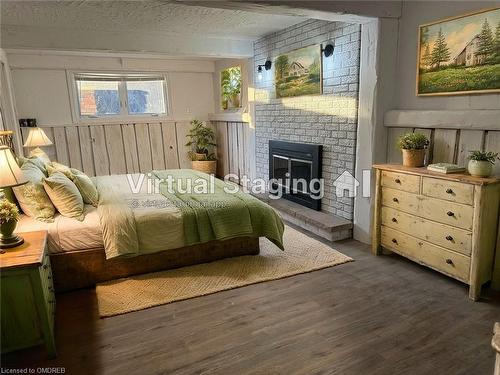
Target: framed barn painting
460, 55
298, 72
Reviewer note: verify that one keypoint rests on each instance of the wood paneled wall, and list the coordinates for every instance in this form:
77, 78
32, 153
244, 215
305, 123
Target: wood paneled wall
448, 145
104, 149
236, 148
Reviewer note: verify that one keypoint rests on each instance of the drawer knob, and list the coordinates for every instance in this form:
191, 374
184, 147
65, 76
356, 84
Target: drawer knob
394, 240
449, 213
449, 191
394, 220
449, 238
395, 200
397, 181
449, 261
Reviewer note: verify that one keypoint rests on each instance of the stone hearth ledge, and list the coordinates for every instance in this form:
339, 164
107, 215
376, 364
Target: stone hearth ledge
323, 224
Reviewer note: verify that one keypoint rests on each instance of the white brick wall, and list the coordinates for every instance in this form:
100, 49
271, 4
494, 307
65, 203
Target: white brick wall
329, 119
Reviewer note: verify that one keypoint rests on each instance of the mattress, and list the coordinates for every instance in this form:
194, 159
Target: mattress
66, 234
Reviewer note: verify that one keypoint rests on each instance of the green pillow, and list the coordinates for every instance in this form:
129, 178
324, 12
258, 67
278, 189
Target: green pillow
32, 197
64, 195
86, 187
39, 162
38, 152
54, 167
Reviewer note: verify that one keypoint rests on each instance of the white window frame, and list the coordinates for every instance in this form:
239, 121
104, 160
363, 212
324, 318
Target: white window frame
123, 116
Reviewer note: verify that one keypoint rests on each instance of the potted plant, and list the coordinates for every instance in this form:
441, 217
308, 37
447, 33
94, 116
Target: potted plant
413, 146
481, 163
231, 87
9, 215
202, 144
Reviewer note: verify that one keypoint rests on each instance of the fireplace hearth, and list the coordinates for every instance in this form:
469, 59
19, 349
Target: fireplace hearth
295, 171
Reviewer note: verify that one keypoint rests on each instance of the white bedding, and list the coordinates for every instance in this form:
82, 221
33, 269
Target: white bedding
67, 234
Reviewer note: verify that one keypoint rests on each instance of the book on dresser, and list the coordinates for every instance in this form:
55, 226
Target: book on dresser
447, 222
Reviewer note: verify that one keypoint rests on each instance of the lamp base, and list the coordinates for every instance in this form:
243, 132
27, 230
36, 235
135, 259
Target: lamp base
7, 243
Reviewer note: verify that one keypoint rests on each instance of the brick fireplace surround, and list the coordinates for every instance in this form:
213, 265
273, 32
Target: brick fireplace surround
329, 119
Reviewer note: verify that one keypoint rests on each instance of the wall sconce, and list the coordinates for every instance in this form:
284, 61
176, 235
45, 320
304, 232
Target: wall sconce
267, 65
328, 50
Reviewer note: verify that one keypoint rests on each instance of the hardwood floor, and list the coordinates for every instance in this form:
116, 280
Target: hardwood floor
377, 315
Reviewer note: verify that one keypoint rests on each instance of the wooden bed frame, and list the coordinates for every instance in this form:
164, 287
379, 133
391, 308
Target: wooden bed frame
86, 268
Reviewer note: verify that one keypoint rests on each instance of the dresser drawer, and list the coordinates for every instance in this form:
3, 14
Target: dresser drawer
448, 190
401, 181
400, 200
450, 263
455, 239
454, 214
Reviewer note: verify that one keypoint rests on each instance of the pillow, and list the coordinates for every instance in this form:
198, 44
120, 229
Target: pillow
64, 195
54, 167
86, 187
39, 162
38, 152
32, 197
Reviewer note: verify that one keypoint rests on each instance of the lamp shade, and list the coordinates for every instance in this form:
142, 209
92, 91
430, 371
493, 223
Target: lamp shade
37, 138
10, 173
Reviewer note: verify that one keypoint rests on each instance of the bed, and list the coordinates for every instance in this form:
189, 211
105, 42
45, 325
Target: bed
146, 231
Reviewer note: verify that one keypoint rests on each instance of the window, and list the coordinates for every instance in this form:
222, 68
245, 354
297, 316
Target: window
108, 95
230, 88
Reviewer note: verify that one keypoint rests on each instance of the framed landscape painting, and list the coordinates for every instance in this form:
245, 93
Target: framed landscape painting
298, 72
460, 55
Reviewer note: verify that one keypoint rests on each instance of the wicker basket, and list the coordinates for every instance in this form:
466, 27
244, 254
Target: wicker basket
206, 166
199, 156
413, 158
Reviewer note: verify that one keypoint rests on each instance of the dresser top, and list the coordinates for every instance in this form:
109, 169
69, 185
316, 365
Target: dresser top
459, 177
30, 253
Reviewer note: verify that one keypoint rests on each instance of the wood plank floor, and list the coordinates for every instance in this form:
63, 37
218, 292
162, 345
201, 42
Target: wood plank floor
377, 315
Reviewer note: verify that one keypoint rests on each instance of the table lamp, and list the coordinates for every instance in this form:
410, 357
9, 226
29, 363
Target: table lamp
37, 138
10, 175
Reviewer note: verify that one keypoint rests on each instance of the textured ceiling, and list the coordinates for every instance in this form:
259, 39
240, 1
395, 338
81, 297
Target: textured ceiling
143, 16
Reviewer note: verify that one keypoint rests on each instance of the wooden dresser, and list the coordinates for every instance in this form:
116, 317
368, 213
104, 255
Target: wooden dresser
447, 222
27, 295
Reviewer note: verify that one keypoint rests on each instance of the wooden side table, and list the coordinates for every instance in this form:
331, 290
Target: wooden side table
27, 297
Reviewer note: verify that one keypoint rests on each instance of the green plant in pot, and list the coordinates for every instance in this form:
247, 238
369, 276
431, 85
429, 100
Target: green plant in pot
201, 141
231, 87
413, 147
9, 215
481, 163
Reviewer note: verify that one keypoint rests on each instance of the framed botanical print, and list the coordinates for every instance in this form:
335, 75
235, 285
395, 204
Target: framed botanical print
460, 55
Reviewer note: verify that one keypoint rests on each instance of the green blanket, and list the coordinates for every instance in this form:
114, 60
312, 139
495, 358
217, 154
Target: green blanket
218, 214
140, 223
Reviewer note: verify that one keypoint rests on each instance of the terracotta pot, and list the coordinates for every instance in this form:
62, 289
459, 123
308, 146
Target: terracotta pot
206, 166
7, 228
480, 168
413, 158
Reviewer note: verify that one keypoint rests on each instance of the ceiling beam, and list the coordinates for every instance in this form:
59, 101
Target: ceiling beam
182, 45
333, 10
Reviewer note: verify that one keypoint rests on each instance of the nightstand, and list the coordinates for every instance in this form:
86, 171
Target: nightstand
27, 295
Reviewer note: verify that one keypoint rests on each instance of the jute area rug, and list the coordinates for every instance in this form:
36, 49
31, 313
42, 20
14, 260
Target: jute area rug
302, 254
